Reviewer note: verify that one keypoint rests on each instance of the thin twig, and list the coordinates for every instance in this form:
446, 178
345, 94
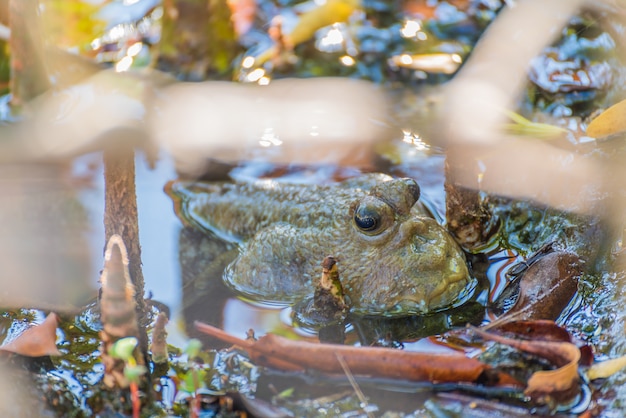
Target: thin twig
354, 384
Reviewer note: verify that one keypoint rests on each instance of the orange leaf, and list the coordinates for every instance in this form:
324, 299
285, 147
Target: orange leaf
37, 341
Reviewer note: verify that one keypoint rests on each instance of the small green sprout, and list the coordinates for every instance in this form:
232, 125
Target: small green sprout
123, 348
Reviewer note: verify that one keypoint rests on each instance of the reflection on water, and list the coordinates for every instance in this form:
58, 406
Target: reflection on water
183, 267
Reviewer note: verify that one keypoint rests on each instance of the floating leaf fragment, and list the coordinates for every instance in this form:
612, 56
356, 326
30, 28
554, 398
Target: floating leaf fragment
193, 380
193, 348
606, 368
133, 373
610, 122
37, 341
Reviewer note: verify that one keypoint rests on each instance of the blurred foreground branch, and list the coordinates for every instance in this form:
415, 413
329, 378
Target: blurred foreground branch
484, 157
28, 76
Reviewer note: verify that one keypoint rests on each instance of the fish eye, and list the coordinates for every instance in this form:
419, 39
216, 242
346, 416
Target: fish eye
372, 216
366, 218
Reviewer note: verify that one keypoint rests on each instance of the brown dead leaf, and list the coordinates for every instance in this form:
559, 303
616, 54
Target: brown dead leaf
545, 330
37, 341
611, 121
546, 287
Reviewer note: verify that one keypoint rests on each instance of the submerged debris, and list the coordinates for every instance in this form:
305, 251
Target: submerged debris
327, 310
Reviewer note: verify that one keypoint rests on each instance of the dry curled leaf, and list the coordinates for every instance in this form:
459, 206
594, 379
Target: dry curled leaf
543, 330
554, 382
560, 383
37, 341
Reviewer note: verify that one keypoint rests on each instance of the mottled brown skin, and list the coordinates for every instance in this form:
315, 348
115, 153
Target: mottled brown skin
393, 258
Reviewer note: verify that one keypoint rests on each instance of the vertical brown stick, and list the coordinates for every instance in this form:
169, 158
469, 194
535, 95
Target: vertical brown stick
120, 217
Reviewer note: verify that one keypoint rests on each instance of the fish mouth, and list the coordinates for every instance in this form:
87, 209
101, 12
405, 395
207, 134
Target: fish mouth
455, 289
446, 296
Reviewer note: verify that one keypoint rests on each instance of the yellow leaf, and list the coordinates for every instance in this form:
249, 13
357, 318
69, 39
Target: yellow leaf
332, 11
606, 368
611, 121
